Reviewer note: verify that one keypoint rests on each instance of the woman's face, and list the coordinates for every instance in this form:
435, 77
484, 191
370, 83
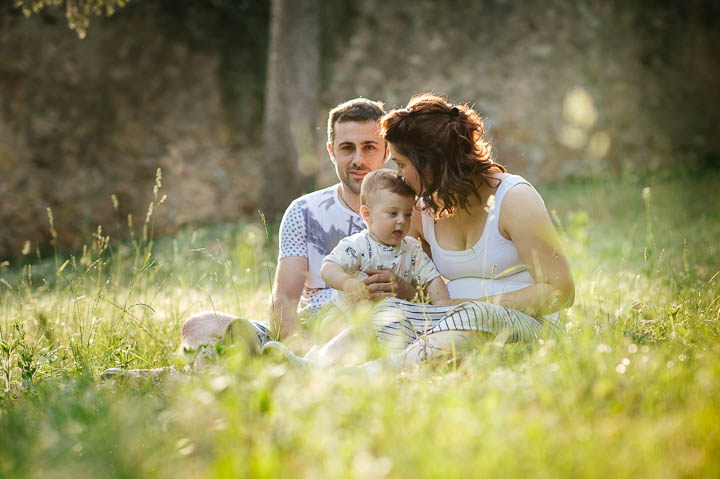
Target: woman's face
406, 170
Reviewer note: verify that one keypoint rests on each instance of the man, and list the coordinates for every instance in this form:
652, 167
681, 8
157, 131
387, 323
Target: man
311, 227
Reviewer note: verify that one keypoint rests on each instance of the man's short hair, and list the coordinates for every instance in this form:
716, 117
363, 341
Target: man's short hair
383, 179
358, 109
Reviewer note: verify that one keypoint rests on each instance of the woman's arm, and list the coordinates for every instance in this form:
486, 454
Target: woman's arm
525, 221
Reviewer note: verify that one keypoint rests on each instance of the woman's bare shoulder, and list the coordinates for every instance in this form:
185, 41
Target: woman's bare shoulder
496, 178
500, 176
521, 196
521, 206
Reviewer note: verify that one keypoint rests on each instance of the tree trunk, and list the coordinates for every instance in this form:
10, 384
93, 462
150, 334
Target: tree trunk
291, 97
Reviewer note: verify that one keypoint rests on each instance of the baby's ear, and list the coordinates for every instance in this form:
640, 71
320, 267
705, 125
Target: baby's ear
365, 213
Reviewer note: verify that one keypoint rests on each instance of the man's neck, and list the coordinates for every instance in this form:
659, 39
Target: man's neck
349, 199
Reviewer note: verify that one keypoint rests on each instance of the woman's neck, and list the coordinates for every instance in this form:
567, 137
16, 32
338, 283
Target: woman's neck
476, 205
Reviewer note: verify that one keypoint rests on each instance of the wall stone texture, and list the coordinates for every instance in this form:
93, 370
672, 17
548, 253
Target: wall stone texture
568, 89
81, 120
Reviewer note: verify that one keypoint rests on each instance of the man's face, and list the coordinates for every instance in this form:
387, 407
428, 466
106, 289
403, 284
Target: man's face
357, 150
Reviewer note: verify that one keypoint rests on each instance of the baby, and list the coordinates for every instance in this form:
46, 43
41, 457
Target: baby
387, 207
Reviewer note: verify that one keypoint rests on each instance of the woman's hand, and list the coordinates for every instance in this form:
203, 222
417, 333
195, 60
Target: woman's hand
383, 283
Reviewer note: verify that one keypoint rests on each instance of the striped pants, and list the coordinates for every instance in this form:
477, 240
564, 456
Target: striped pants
400, 323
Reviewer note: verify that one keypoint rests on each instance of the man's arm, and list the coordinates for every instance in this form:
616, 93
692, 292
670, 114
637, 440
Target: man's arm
383, 282
289, 281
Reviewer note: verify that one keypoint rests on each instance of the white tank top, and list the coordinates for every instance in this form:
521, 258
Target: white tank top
491, 266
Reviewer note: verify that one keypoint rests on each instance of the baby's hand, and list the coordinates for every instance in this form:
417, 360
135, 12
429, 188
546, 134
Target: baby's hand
356, 290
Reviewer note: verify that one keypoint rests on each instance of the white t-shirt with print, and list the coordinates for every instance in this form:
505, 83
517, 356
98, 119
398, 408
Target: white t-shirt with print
407, 259
311, 227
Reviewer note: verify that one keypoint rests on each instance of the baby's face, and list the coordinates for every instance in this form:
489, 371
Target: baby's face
388, 217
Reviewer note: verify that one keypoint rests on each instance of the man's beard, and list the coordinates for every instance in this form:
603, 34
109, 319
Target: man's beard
351, 185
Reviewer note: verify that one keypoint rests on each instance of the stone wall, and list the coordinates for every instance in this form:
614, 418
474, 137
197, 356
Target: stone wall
567, 89
81, 120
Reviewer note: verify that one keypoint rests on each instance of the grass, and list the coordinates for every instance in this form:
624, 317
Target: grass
630, 391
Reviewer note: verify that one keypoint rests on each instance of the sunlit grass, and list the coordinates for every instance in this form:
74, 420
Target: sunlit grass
630, 391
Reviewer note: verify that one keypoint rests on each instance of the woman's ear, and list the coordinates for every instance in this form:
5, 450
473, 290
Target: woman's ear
365, 213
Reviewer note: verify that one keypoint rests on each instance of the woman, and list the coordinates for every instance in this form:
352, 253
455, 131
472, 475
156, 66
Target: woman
487, 231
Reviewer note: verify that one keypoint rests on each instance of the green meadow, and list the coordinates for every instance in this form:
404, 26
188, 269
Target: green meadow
630, 390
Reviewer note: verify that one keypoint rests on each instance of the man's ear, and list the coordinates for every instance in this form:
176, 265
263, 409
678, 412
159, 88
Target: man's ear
330, 151
365, 213
387, 152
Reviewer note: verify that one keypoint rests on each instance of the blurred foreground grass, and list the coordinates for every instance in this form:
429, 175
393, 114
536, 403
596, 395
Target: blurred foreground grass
630, 391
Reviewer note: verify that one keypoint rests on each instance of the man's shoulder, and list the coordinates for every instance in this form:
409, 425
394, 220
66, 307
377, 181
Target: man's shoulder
324, 195
360, 236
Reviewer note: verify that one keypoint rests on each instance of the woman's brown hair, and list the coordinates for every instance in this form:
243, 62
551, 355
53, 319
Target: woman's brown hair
445, 144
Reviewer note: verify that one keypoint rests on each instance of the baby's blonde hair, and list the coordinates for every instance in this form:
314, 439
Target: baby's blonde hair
383, 179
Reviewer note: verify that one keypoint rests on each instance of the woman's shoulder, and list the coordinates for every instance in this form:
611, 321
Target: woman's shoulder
520, 201
508, 179
419, 217
503, 183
